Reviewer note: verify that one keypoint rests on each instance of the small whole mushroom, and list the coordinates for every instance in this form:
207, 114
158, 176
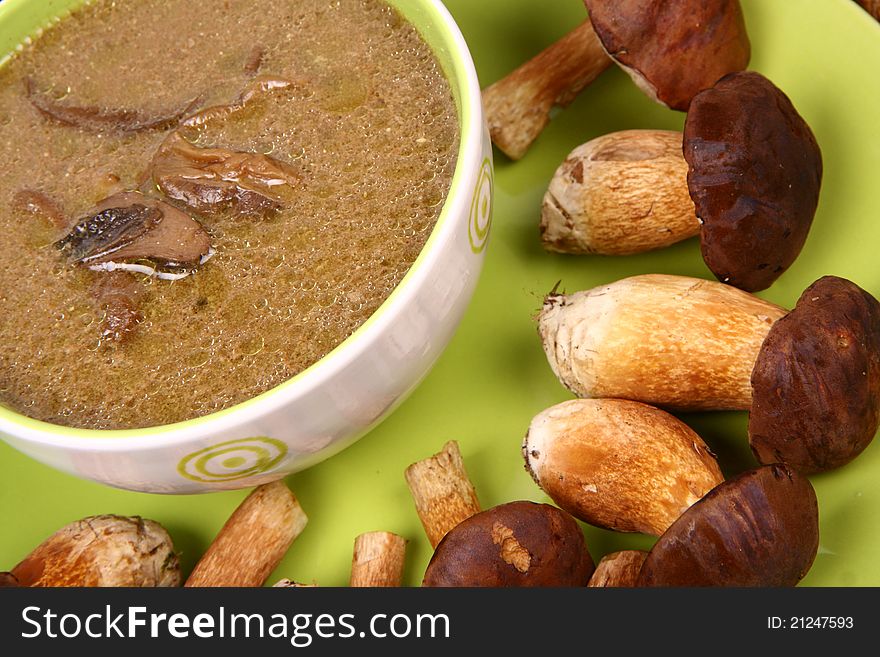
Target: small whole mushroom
760, 528
618, 464
671, 49
514, 544
810, 377
749, 188
102, 551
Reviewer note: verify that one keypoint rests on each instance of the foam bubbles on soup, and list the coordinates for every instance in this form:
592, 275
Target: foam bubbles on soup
370, 125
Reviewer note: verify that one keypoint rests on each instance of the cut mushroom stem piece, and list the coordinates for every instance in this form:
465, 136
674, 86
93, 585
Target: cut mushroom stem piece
253, 541
518, 106
130, 227
442, 492
514, 544
811, 380
760, 528
102, 551
652, 41
618, 569
619, 464
749, 189
619, 194
378, 560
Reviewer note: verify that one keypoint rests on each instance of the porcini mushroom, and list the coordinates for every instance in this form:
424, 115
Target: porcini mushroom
619, 194
619, 464
753, 173
760, 528
812, 381
514, 544
672, 50
103, 551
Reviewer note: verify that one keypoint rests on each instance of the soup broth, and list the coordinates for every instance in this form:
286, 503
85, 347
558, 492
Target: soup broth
345, 128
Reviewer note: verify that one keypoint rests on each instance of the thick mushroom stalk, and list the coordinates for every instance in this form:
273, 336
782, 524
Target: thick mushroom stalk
619, 464
748, 188
671, 49
102, 551
671, 341
518, 106
811, 380
760, 528
620, 194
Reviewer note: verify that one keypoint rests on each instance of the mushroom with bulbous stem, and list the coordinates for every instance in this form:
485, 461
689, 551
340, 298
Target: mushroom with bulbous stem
811, 377
672, 50
760, 528
619, 464
748, 186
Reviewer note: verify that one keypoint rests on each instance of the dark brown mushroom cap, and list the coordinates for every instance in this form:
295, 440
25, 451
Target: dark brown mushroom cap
754, 176
816, 382
760, 528
515, 544
672, 49
131, 226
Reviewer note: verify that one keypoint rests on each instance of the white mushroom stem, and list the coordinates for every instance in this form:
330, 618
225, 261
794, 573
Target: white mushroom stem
518, 106
378, 560
253, 541
623, 193
672, 341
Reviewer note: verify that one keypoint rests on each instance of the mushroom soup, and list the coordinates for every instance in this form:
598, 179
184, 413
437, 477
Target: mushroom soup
200, 200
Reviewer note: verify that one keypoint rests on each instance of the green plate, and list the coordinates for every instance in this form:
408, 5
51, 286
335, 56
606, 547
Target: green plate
493, 378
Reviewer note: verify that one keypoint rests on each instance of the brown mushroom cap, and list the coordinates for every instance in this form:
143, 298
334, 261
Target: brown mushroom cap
754, 176
131, 226
514, 544
672, 49
816, 382
760, 528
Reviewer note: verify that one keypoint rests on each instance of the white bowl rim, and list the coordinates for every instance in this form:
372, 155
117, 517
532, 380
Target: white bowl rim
470, 156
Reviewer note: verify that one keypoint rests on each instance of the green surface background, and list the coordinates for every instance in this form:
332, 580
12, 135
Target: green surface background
493, 377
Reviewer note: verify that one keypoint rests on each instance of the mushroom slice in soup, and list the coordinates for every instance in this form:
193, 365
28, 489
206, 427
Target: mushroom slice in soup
131, 226
214, 180
40, 204
103, 119
119, 295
